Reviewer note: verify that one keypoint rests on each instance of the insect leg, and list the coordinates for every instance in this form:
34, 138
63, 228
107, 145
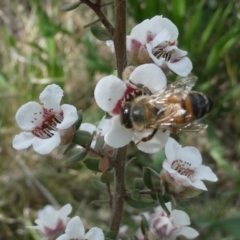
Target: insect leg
149, 137
142, 87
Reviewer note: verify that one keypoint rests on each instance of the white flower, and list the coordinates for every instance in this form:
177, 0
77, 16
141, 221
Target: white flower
183, 171
110, 92
45, 126
164, 226
75, 230
110, 44
101, 130
52, 222
155, 40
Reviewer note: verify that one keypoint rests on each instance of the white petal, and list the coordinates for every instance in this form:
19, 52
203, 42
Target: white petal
45, 146
171, 27
29, 116
75, 228
104, 126
161, 37
182, 67
180, 217
88, 127
190, 155
118, 136
199, 185
23, 140
63, 237
64, 212
140, 31
178, 53
188, 232
110, 44
94, 234
157, 61
70, 116
155, 25
109, 90
149, 75
155, 144
51, 97
204, 173
168, 168
171, 150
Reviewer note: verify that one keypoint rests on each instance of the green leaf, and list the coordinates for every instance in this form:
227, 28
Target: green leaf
70, 6
147, 178
136, 195
162, 203
79, 121
99, 143
82, 138
99, 202
144, 224
70, 147
107, 177
100, 33
78, 157
92, 164
138, 183
144, 203
110, 236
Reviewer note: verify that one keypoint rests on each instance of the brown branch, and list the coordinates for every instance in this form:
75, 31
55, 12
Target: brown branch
109, 194
119, 39
151, 191
96, 7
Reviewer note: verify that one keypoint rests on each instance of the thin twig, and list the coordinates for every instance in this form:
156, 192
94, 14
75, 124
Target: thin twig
96, 7
109, 194
147, 191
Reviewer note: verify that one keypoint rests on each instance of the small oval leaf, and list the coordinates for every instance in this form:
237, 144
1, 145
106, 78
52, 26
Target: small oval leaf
100, 33
138, 204
144, 224
70, 147
107, 177
78, 157
79, 121
139, 184
82, 138
70, 6
136, 195
92, 164
147, 178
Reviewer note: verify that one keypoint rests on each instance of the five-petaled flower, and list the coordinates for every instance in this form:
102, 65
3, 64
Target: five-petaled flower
51, 223
110, 94
155, 40
164, 226
45, 126
75, 230
183, 172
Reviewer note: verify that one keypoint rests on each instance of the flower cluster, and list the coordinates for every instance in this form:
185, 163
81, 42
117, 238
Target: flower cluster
52, 223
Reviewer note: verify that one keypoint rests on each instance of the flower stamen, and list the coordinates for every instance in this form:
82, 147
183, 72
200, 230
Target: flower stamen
160, 51
183, 168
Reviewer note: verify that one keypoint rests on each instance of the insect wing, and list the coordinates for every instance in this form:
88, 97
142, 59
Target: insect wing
181, 85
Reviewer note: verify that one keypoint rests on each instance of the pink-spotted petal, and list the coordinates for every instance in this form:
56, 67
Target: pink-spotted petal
155, 144
149, 75
23, 140
94, 233
171, 150
45, 146
182, 67
70, 116
109, 90
29, 116
51, 97
118, 136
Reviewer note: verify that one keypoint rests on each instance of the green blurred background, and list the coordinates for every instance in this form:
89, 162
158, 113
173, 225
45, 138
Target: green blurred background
39, 45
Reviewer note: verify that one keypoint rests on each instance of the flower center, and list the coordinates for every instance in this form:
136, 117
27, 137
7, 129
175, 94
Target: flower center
49, 121
183, 168
160, 51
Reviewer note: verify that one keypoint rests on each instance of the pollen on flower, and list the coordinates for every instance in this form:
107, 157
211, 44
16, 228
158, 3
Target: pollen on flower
182, 168
48, 123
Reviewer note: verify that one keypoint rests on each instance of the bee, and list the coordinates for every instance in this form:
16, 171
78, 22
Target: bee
175, 108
